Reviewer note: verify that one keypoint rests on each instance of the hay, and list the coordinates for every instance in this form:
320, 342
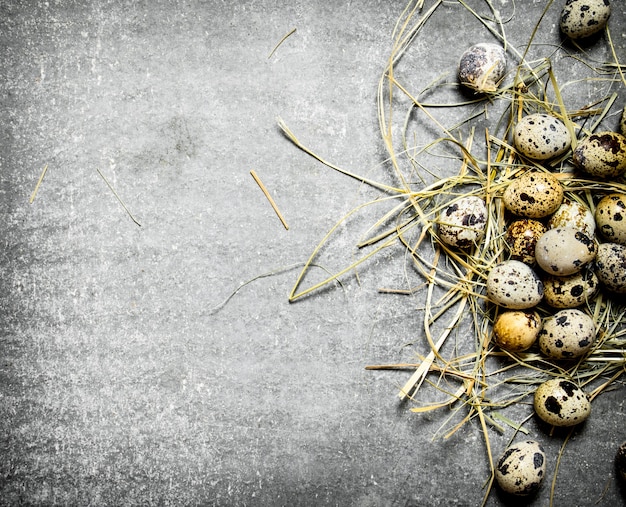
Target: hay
119, 199
483, 383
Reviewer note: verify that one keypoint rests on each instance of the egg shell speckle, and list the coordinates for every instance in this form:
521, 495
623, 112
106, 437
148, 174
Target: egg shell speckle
514, 285
570, 291
564, 251
482, 67
567, 334
611, 266
535, 194
521, 238
516, 330
573, 214
582, 18
610, 216
462, 223
541, 136
521, 468
560, 402
602, 155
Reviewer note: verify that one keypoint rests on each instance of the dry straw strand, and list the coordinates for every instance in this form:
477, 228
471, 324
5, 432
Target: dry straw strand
39, 181
269, 198
118, 198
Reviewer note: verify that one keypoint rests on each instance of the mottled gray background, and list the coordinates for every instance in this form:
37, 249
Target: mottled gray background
118, 383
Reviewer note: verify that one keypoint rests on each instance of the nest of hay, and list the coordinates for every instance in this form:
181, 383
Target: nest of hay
483, 381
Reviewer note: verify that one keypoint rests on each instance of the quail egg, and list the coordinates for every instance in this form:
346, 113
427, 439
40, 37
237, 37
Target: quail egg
541, 136
570, 291
516, 330
521, 238
602, 155
521, 468
560, 402
535, 194
611, 267
462, 223
611, 218
514, 285
622, 123
482, 67
582, 18
567, 334
573, 214
620, 461
564, 251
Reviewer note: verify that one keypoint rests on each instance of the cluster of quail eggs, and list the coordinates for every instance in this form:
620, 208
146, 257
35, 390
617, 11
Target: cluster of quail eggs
562, 249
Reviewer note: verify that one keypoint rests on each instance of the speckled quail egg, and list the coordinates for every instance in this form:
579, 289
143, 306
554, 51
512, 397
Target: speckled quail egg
564, 251
620, 461
582, 18
560, 402
622, 122
611, 218
602, 155
611, 267
514, 285
535, 194
482, 67
516, 330
521, 238
573, 214
567, 334
541, 136
521, 468
570, 291
462, 223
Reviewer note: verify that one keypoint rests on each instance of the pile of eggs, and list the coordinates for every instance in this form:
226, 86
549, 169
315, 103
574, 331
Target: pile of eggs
561, 251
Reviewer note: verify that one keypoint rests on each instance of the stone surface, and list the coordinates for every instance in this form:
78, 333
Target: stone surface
119, 383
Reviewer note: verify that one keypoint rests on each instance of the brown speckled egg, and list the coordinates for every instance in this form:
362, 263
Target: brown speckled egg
573, 214
611, 267
541, 136
482, 67
514, 285
521, 238
570, 291
521, 468
620, 461
535, 194
516, 330
567, 334
582, 18
462, 223
560, 402
602, 155
564, 251
611, 218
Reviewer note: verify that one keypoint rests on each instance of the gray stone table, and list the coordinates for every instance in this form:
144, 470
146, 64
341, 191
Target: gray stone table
120, 381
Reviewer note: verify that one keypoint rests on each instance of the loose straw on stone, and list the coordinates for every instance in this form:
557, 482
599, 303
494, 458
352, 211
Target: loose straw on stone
280, 42
34, 194
118, 198
269, 198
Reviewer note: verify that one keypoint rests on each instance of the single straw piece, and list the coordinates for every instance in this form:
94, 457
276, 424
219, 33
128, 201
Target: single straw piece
280, 42
34, 194
269, 198
118, 198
